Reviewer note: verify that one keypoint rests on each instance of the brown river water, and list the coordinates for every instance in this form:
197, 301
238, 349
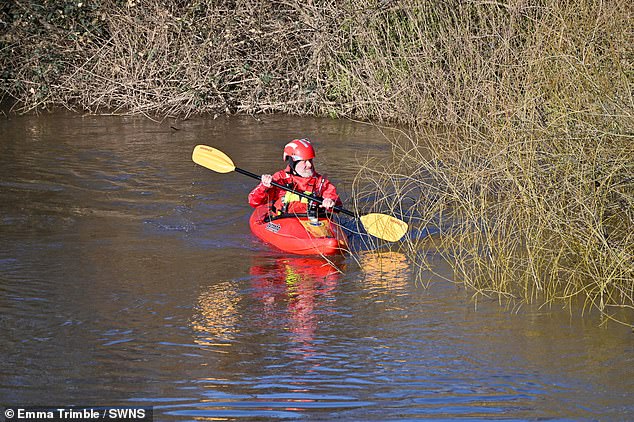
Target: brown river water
129, 276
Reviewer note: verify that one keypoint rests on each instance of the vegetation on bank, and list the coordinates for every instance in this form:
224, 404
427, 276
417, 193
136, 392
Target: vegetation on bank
520, 114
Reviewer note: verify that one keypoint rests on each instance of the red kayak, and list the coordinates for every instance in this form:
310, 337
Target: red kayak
296, 234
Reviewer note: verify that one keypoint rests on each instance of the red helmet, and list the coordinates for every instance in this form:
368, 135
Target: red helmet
299, 149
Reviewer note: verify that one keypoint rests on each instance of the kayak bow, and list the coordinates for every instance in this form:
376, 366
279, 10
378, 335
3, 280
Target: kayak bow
296, 234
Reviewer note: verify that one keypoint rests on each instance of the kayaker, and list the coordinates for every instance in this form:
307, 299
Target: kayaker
300, 175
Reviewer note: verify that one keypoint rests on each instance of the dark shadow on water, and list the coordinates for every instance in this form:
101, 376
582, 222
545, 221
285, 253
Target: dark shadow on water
359, 240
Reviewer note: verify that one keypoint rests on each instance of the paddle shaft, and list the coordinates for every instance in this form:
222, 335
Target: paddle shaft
379, 225
303, 195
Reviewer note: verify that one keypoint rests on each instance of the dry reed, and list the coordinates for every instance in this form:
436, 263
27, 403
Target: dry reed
521, 148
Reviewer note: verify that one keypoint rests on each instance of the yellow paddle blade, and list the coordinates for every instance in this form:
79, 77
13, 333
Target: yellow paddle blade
384, 226
213, 159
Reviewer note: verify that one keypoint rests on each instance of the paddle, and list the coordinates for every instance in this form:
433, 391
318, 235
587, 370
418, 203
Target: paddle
378, 225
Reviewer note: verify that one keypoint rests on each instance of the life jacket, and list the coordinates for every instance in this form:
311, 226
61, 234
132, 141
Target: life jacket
281, 200
291, 202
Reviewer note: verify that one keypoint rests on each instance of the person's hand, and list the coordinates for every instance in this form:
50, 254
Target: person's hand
328, 203
266, 180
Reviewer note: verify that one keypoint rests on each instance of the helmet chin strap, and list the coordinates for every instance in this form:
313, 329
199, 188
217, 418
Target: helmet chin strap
291, 165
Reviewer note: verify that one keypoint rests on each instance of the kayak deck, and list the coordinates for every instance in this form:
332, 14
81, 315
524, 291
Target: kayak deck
297, 235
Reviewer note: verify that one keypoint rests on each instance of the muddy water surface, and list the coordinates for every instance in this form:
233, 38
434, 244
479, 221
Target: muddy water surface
128, 276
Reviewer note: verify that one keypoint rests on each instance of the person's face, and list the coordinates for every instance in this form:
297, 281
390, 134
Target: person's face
304, 168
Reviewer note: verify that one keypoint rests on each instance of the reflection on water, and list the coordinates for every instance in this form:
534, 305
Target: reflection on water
215, 321
385, 269
290, 294
294, 291
128, 276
